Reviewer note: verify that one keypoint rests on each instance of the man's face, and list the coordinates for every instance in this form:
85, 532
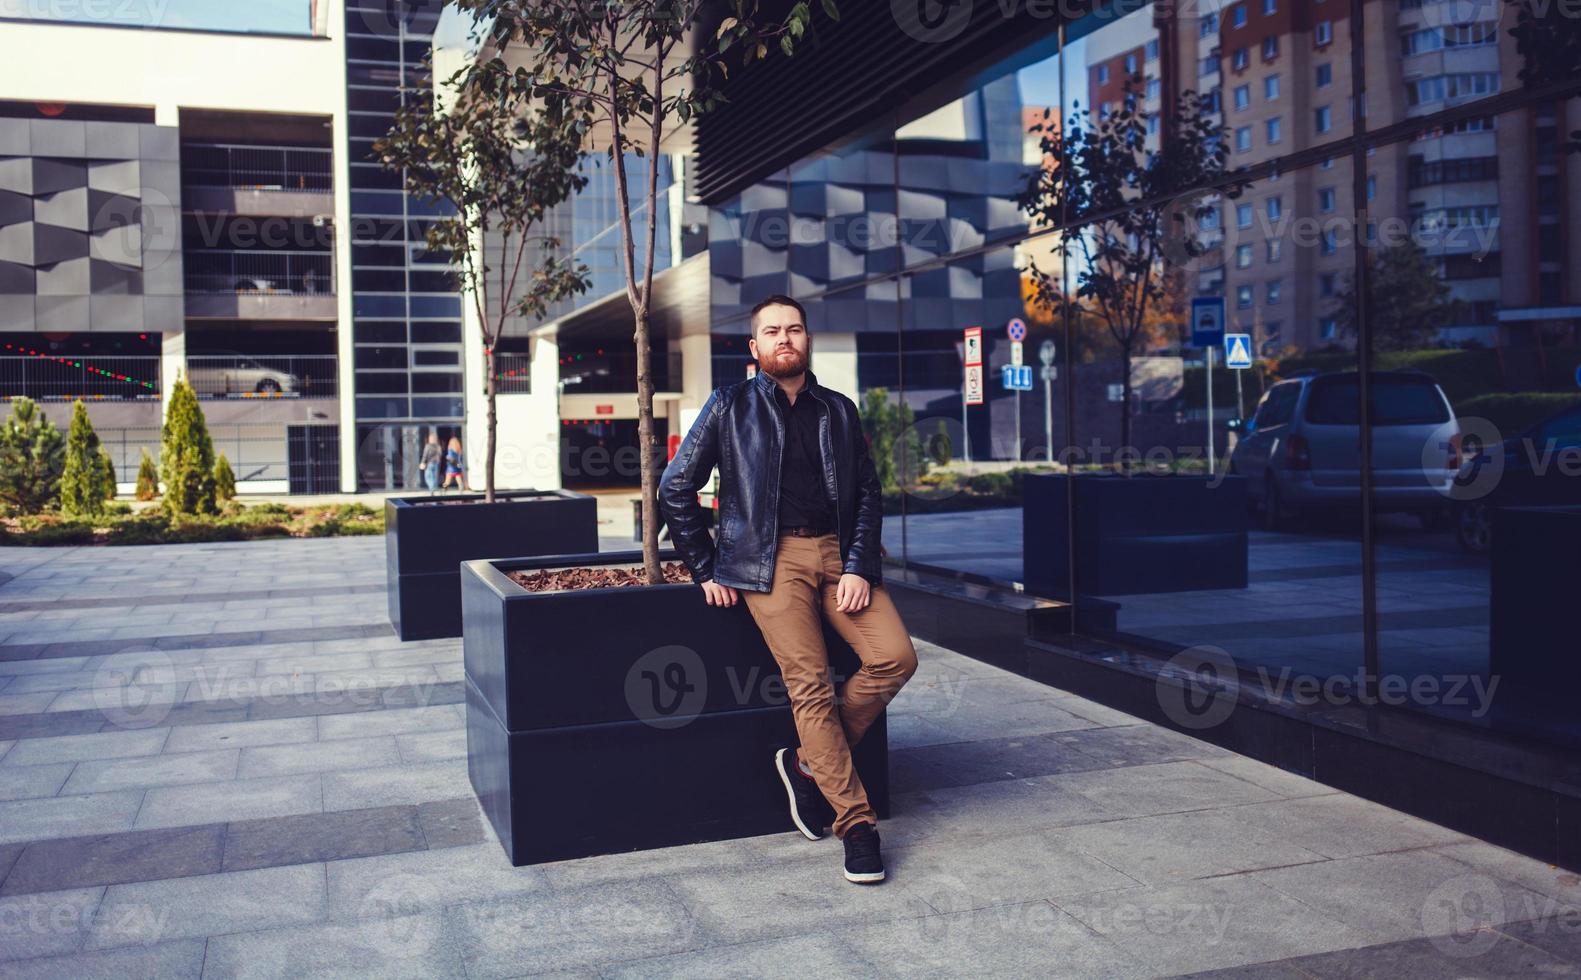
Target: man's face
779, 342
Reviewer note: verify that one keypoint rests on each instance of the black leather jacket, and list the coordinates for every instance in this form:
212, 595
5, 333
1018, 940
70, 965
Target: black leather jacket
740, 431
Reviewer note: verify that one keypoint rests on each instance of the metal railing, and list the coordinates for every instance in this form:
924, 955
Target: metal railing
259, 273
257, 168
256, 451
513, 373
617, 372
262, 375
25, 373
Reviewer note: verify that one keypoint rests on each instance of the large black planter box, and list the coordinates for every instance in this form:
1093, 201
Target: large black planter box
619, 719
427, 538
1531, 638
1134, 535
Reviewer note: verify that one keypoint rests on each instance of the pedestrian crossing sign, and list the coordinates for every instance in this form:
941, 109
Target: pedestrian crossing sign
1238, 350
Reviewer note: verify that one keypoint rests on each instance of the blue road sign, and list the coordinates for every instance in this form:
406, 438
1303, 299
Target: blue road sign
1016, 377
1207, 321
1238, 350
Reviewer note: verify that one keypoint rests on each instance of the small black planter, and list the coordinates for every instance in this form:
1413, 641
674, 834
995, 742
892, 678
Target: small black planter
427, 538
1134, 535
619, 719
1531, 640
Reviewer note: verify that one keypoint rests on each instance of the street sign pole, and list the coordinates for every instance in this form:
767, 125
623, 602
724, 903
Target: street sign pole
1018, 425
1212, 464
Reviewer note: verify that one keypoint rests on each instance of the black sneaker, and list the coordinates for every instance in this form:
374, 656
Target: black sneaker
863, 864
807, 807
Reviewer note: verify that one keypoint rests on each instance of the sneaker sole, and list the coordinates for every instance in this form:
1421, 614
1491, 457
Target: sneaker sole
866, 878
790, 796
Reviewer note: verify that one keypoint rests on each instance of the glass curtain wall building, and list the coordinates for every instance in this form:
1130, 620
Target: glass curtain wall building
1381, 215
406, 314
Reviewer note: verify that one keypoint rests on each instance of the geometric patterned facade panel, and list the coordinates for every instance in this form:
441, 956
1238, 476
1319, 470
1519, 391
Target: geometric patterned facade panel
63, 209
79, 221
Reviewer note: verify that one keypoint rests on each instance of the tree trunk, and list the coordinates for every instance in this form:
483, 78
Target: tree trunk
645, 442
1125, 408
490, 442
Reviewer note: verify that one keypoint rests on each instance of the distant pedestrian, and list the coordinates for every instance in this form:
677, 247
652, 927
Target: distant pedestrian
428, 465
455, 465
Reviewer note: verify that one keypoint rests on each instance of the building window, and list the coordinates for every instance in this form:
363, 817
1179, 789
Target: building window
1209, 25
1273, 130
1154, 88
1330, 243
1326, 284
1270, 7
1215, 100
1152, 50
1243, 297
1152, 124
1271, 87
1457, 86
1243, 96
1327, 164
1323, 34
1271, 331
1240, 59
1327, 328
1103, 74
1210, 220
1243, 215
1243, 256
1274, 249
1130, 64
1372, 186
1276, 207
1238, 15
1275, 288
1210, 66
1325, 199
1322, 119
1325, 75
1270, 47
1243, 139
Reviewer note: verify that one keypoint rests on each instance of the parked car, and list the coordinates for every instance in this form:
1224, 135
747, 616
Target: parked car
1303, 447
1541, 466
236, 374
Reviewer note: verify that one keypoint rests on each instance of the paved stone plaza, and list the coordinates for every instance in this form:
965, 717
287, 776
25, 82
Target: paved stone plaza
282, 792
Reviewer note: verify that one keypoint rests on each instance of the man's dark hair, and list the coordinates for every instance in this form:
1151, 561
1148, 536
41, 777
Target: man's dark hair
776, 300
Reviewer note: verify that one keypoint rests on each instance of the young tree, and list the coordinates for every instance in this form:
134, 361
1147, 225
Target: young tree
1130, 200
186, 454
107, 463
224, 479
82, 477
32, 458
1408, 303
496, 172
620, 72
147, 478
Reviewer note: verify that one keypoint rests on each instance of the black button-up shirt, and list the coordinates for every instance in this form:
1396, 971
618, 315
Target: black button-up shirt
803, 499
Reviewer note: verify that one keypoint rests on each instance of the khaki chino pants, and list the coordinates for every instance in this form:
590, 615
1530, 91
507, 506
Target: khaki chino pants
805, 576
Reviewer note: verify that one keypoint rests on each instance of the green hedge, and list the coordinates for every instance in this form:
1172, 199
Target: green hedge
1513, 411
235, 522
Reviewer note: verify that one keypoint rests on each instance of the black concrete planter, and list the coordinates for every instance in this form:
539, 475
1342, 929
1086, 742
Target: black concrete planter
427, 538
1134, 535
619, 719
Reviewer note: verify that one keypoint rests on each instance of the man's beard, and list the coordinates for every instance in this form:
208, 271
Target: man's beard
786, 364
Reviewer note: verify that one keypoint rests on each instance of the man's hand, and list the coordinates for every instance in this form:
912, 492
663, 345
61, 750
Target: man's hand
852, 594
719, 595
